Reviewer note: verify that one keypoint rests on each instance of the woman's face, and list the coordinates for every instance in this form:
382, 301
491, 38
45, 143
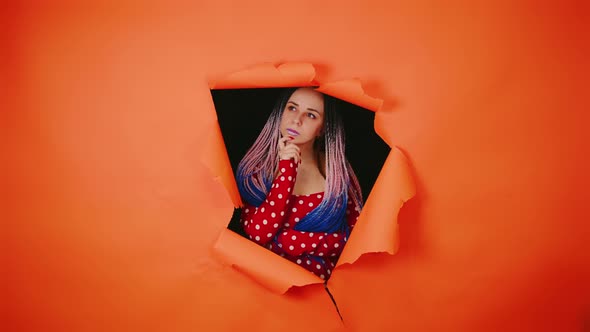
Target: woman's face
303, 116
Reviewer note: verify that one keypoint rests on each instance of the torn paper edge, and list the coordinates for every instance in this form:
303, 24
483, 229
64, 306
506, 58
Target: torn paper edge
377, 227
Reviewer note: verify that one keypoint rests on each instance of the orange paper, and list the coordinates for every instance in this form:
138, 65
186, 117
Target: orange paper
271, 270
352, 92
109, 214
268, 75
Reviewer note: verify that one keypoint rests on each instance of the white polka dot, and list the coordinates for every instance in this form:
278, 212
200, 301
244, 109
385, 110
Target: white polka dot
288, 189
296, 219
290, 178
282, 178
282, 170
335, 234
293, 237
329, 271
300, 201
313, 245
291, 247
262, 210
287, 224
280, 196
250, 237
265, 221
310, 204
345, 239
288, 200
321, 237
272, 203
319, 196
285, 233
294, 210
311, 234
270, 246
247, 210
318, 266
303, 245
333, 254
245, 223
298, 261
321, 254
277, 185
291, 165
276, 225
257, 226
282, 213
308, 262
257, 238
280, 245
322, 276
273, 214
325, 245
269, 235
336, 245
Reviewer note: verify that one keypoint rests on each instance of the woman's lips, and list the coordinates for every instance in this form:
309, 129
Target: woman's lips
292, 132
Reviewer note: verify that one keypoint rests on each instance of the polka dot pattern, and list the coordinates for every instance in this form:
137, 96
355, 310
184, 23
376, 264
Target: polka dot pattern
271, 225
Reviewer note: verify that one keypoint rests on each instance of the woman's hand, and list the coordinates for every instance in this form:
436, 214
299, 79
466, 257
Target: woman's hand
288, 150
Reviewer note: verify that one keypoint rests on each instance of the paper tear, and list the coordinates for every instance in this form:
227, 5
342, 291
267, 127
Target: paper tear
215, 158
268, 75
377, 227
352, 92
265, 267
375, 231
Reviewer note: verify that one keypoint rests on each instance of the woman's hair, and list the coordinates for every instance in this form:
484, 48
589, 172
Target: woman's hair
256, 171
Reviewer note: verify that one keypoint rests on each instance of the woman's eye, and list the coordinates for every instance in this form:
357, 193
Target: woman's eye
311, 115
291, 108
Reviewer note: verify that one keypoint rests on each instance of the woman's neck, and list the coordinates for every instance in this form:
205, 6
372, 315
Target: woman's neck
309, 162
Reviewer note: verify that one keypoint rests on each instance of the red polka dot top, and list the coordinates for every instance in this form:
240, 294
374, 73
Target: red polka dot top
271, 225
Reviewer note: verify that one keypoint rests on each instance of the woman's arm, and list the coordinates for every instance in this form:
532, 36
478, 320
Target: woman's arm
263, 222
296, 243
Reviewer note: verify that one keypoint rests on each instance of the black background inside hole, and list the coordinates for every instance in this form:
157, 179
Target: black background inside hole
242, 113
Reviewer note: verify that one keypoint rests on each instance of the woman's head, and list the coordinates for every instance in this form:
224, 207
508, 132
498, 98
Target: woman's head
303, 117
314, 120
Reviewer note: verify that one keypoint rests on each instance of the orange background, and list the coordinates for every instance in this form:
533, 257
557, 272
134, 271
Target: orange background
111, 215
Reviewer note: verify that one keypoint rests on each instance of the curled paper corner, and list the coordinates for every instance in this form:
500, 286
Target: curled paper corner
351, 91
380, 127
267, 75
215, 158
263, 266
377, 227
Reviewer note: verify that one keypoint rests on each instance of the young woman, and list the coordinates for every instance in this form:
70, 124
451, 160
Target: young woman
301, 195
